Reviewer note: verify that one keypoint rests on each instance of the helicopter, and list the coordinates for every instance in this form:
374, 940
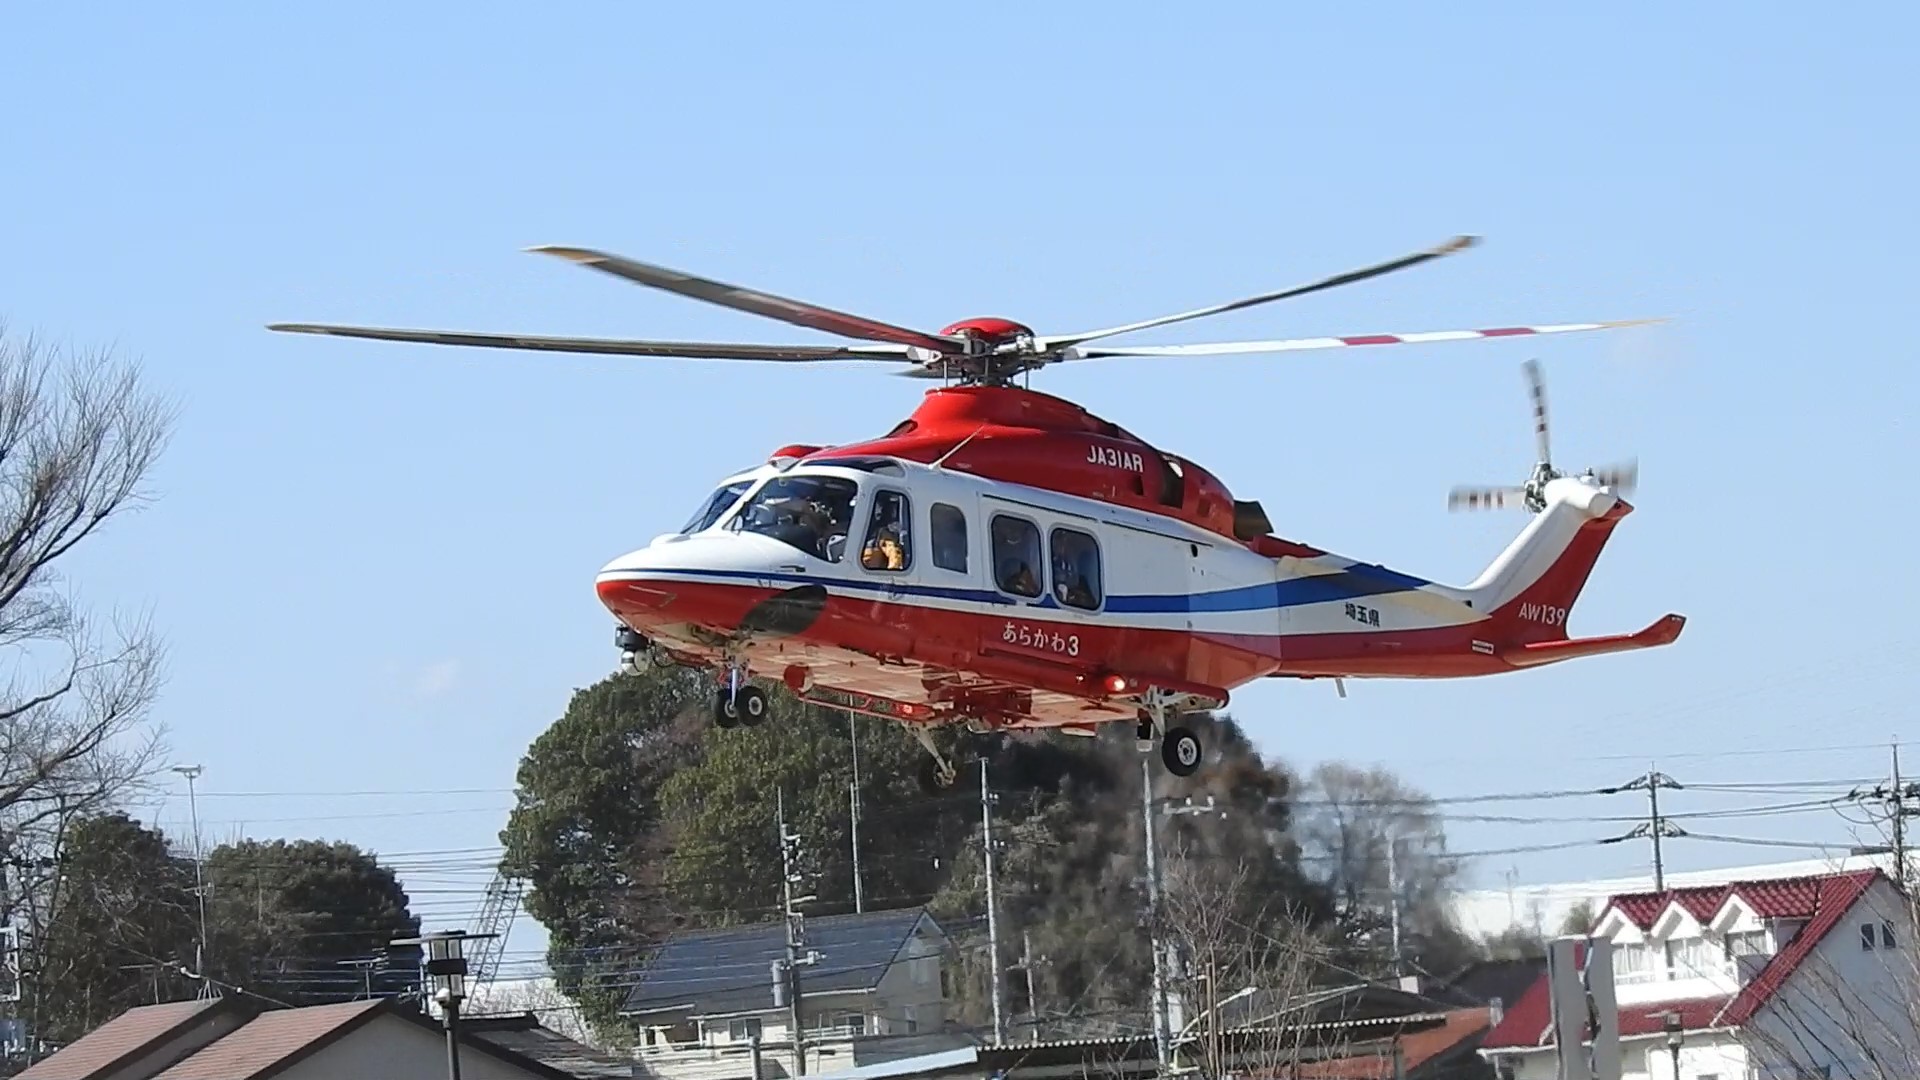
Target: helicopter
1006, 560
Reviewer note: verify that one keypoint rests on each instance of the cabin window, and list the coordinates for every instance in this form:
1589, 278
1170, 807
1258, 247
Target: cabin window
949, 525
717, 504
812, 513
889, 541
1016, 556
1076, 569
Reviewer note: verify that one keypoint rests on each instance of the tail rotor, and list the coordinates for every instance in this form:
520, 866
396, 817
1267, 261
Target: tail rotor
1619, 478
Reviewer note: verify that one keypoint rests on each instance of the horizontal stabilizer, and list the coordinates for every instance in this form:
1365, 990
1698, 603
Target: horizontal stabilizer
1532, 654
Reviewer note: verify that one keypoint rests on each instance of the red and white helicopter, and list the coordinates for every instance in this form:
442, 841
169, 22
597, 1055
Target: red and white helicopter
1005, 559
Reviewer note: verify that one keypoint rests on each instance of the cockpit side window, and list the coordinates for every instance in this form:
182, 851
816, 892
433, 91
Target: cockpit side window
717, 504
812, 513
1076, 569
1016, 555
889, 543
949, 534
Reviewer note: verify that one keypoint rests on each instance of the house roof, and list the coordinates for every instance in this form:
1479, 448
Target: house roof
1417, 1048
525, 1035
122, 1039
1484, 982
709, 972
1775, 898
273, 1040
1822, 900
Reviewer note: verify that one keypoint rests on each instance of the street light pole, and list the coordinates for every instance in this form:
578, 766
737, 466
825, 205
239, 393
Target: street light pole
447, 967
192, 772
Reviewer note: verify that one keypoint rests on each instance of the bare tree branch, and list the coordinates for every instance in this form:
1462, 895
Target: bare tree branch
78, 438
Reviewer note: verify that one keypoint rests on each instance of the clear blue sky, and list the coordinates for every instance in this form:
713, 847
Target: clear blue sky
374, 562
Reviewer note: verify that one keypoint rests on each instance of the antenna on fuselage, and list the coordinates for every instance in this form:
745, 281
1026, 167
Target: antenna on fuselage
941, 460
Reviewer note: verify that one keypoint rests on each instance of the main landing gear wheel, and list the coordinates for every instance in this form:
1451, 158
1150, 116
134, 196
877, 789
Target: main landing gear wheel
936, 777
751, 703
726, 709
1180, 751
746, 705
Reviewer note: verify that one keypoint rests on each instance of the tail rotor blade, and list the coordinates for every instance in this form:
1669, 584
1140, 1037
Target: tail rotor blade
1622, 478
1537, 387
1485, 498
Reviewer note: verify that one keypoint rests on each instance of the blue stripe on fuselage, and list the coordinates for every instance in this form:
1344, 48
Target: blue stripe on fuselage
1346, 584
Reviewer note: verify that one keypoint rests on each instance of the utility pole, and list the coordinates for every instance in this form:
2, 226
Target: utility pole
853, 804
993, 918
192, 772
796, 934
1656, 826
1899, 822
1159, 1004
1393, 899
1026, 969
1896, 798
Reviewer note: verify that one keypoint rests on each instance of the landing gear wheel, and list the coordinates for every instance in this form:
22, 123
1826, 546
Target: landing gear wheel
1180, 750
750, 705
936, 777
726, 709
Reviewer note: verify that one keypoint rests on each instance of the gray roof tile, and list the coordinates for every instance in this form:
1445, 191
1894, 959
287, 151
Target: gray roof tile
723, 971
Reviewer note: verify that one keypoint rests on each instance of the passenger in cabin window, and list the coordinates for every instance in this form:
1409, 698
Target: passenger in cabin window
886, 545
1016, 552
884, 552
1071, 584
1017, 577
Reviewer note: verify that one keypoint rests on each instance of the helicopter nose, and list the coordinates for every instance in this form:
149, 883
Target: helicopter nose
723, 583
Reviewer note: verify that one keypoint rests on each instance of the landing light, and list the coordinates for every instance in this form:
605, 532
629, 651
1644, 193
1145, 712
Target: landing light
1117, 684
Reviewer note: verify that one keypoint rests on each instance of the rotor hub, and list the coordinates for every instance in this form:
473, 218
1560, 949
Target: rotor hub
989, 330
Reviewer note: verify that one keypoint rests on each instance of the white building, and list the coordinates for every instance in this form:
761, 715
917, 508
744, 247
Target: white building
1773, 979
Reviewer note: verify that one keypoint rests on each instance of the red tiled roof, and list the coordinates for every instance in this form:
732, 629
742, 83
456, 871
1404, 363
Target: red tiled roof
120, 1038
1823, 901
1416, 1049
1770, 898
271, 1039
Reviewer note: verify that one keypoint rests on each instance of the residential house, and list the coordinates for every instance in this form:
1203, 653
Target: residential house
705, 1001
233, 1038
1810, 976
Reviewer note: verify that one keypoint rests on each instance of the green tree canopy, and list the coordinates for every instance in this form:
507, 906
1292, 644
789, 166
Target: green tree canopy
123, 910
285, 914
637, 817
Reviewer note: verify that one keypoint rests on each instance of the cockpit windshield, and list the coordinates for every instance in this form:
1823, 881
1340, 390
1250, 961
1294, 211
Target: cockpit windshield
719, 503
811, 513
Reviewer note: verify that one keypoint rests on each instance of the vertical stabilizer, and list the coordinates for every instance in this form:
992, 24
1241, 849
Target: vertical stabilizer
1531, 587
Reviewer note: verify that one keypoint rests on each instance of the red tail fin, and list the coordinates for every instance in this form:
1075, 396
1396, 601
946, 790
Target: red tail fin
1539, 612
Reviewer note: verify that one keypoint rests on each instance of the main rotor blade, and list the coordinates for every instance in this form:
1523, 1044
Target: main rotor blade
797, 312
697, 350
1458, 243
1301, 344
1537, 388
1484, 498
